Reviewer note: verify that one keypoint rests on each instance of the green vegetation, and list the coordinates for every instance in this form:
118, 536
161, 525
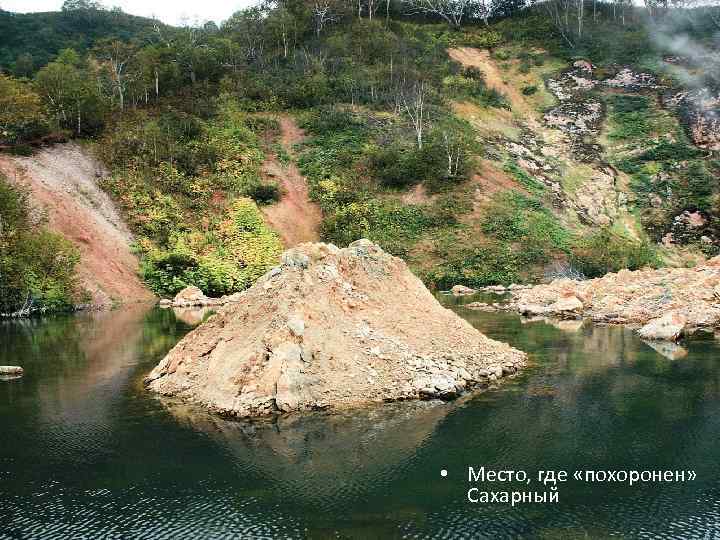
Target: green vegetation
36, 266
30, 41
183, 117
667, 173
522, 237
596, 254
184, 183
226, 258
22, 113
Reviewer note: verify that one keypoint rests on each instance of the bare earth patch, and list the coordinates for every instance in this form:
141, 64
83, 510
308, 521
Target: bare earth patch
63, 183
295, 217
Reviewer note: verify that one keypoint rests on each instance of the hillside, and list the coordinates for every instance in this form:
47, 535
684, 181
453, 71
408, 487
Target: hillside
29, 41
515, 151
63, 187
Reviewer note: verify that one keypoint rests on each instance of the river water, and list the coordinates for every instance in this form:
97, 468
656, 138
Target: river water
86, 452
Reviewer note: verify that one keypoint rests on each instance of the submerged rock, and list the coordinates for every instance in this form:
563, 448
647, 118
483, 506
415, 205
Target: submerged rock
333, 328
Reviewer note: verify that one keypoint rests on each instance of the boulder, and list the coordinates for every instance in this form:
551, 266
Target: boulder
334, 328
566, 307
190, 296
461, 290
193, 297
11, 370
669, 327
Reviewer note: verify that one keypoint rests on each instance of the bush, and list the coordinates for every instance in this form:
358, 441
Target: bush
264, 193
227, 259
491, 263
604, 251
22, 115
395, 226
37, 267
524, 221
402, 166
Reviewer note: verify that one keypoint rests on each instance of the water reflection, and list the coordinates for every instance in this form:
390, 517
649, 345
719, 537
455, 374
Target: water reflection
87, 451
192, 316
319, 456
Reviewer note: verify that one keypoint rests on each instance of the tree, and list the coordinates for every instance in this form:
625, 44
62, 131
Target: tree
451, 11
22, 114
559, 12
247, 27
116, 56
24, 65
70, 91
322, 14
413, 100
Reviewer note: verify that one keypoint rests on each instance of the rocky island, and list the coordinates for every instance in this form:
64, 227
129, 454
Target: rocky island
331, 328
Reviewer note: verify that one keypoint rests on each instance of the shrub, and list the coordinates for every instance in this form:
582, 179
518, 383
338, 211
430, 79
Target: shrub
22, 115
264, 193
227, 259
37, 266
489, 264
403, 166
604, 251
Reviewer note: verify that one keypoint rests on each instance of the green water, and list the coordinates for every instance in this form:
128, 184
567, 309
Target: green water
85, 452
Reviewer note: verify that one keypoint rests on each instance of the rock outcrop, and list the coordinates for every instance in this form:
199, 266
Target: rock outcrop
668, 303
331, 328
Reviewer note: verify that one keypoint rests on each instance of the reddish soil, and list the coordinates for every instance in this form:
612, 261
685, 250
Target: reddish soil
63, 183
295, 217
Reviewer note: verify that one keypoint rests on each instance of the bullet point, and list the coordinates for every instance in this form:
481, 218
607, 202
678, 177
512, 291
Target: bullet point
443, 473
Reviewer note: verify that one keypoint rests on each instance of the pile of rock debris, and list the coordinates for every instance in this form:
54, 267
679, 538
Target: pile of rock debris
331, 328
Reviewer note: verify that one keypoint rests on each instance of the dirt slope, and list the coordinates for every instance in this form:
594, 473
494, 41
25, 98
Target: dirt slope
295, 217
480, 59
63, 183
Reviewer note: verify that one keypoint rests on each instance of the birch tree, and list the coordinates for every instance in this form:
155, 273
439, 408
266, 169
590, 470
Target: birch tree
452, 12
413, 102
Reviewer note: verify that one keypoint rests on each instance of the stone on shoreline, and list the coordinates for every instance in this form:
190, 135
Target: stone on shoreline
668, 302
11, 370
669, 327
193, 297
461, 290
331, 328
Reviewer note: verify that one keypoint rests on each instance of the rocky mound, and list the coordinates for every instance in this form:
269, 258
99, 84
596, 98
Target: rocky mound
330, 328
669, 302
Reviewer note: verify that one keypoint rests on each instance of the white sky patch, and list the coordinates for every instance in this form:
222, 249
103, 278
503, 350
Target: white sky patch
174, 12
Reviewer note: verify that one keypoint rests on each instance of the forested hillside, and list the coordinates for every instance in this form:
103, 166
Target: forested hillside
30, 41
484, 142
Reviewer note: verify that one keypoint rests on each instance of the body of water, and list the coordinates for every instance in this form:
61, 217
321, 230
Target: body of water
86, 452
